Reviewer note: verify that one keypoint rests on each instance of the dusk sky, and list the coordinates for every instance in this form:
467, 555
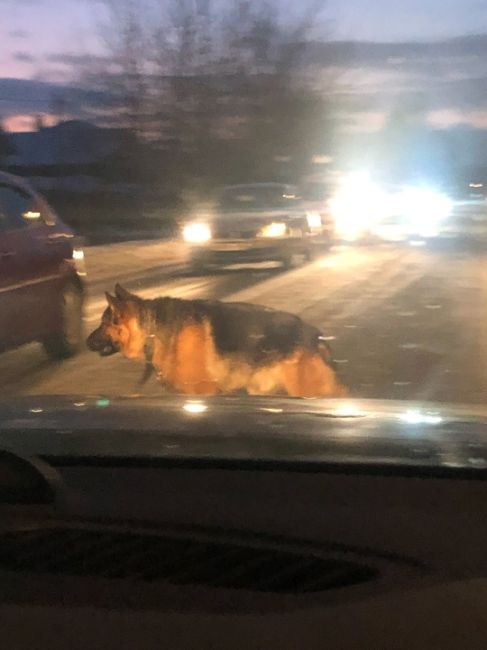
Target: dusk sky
41, 38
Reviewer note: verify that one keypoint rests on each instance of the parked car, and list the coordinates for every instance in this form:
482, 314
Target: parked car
41, 273
253, 223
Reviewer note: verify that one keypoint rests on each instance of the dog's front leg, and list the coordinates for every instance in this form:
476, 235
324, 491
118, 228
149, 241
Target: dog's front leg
166, 385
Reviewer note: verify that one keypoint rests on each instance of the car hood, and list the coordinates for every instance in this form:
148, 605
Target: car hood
260, 430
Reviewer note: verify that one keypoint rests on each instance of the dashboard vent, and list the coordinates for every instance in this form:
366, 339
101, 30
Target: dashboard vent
150, 557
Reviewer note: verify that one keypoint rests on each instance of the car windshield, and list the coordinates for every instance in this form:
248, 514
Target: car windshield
344, 140
255, 197
315, 191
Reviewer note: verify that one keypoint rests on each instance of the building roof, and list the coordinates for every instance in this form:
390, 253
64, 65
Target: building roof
74, 142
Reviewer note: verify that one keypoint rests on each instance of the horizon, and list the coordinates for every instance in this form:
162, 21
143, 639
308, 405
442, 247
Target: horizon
452, 80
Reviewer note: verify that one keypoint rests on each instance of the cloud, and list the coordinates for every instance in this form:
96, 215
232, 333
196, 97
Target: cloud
369, 53
23, 57
18, 33
447, 118
68, 58
438, 80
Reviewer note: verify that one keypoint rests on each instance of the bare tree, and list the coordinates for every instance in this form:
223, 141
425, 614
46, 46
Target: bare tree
220, 90
123, 75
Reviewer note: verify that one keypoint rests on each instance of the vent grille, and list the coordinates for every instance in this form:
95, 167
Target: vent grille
235, 233
178, 561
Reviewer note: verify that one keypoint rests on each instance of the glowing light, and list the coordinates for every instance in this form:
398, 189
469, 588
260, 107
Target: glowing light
103, 402
322, 160
314, 220
357, 205
36, 410
31, 214
270, 410
416, 417
273, 230
422, 210
476, 186
327, 262
197, 233
348, 411
78, 254
195, 407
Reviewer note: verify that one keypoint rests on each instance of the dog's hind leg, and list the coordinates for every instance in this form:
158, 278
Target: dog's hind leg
266, 381
307, 375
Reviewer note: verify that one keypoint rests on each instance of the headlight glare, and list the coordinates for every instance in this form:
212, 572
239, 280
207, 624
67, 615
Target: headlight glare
196, 233
419, 205
273, 230
314, 220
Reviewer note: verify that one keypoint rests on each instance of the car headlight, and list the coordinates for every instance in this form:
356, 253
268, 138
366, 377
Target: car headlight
357, 205
196, 233
314, 220
273, 230
420, 205
79, 261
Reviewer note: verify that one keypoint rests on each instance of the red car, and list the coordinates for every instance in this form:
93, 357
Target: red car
41, 273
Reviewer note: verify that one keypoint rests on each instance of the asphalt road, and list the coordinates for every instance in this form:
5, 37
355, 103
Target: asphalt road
404, 323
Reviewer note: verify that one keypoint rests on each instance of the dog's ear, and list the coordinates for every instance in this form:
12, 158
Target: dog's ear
113, 302
123, 294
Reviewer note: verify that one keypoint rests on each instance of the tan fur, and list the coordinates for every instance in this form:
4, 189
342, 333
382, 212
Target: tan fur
306, 375
187, 361
193, 366
130, 336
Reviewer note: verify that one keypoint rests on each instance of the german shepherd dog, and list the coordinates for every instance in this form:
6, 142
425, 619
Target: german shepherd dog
204, 347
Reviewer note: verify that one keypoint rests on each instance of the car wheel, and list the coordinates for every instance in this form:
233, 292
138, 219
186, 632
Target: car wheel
69, 339
296, 257
312, 252
293, 260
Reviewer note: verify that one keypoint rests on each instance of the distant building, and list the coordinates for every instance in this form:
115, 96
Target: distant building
73, 155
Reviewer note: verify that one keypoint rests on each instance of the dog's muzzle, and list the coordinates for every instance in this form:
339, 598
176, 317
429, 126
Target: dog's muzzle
97, 341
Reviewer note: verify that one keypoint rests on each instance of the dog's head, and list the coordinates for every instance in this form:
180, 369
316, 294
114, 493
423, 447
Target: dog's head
120, 329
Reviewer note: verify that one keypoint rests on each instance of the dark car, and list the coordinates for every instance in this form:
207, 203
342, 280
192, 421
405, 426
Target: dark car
41, 269
253, 223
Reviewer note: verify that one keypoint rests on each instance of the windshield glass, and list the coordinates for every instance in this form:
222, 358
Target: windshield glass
315, 191
346, 142
251, 197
